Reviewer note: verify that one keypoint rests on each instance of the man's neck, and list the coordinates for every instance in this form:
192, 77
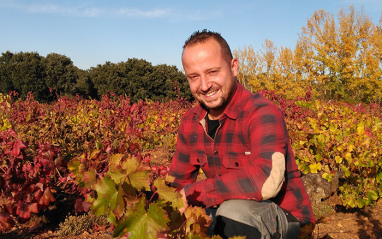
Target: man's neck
213, 115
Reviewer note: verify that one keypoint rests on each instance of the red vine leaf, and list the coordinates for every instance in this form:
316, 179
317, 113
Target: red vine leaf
17, 146
81, 205
24, 209
6, 222
46, 199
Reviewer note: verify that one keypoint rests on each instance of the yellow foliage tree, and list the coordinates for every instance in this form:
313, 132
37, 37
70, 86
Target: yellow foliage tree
339, 61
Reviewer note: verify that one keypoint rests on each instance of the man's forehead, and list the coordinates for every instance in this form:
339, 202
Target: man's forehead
202, 46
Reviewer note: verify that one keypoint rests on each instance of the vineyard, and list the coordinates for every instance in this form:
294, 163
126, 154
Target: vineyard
93, 157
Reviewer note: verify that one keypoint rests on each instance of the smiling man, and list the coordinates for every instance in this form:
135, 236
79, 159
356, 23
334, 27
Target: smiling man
240, 141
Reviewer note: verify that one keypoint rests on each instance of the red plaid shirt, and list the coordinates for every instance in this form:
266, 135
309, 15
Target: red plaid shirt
238, 161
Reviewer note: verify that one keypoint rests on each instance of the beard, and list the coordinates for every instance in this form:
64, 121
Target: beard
224, 99
223, 104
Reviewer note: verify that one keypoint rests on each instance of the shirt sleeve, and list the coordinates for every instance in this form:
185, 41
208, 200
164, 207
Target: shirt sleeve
264, 174
184, 172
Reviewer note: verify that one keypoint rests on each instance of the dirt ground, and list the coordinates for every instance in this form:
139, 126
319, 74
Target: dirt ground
363, 223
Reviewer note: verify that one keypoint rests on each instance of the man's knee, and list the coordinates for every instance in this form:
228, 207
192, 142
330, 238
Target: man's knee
242, 211
268, 218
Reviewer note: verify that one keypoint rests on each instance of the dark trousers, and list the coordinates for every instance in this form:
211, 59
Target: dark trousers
252, 219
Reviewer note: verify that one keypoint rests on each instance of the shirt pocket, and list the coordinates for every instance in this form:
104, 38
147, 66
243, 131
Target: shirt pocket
237, 160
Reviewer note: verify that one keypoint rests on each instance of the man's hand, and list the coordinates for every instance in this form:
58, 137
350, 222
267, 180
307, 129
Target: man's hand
181, 210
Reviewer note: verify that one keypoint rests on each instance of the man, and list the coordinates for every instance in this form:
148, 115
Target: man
240, 141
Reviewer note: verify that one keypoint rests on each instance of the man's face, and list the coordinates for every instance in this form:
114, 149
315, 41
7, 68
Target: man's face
211, 78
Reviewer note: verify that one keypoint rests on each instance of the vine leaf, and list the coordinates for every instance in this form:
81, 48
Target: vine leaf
117, 176
197, 220
115, 162
17, 146
130, 169
140, 179
6, 222
24, 209
90, 178
142, 223
46, 199
137, 174
168, 193
107, 196
74, 166
81, 205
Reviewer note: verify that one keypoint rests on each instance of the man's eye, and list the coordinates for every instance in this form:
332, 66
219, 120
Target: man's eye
192, 77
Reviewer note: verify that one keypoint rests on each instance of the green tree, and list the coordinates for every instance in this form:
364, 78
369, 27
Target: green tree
6, 83
27, 74
60, 74
139, 80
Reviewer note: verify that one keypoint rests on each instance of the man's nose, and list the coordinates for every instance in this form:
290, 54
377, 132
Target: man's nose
205, 84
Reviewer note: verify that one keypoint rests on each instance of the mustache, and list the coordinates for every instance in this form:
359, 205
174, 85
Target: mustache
212, 89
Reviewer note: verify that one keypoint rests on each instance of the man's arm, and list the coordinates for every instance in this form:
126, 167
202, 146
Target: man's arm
184, 172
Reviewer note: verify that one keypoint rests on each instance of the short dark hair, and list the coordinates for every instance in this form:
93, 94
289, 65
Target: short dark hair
204, 35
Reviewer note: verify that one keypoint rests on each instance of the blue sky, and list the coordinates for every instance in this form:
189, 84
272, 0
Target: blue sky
92, 32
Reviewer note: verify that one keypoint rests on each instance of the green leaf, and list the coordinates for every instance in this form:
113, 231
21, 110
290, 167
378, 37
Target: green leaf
140, 180
115, 162
372, 195
168, 193
360, 203
118, 176
142, 223
107, 196
73, 167
130, 165
379, 177
119, 207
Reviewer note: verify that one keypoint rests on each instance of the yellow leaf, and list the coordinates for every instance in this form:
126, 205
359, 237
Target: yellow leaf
338, 159
351, 147
361, 128
348, 157
366, 143
315, 167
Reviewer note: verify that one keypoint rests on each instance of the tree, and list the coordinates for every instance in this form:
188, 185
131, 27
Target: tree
60, 74
346, 57
338, 61
139, 80
27, 75
6, 83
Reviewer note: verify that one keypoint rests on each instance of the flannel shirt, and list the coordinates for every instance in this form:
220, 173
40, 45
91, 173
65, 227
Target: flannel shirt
249, 158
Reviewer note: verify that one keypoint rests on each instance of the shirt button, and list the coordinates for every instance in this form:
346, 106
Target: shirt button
236, 164
219, 174
215, 152
198, 160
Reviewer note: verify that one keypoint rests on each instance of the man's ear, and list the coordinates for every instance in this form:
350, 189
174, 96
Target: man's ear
235, 66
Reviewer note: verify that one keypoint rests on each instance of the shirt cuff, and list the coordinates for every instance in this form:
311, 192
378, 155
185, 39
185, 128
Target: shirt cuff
196, 194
